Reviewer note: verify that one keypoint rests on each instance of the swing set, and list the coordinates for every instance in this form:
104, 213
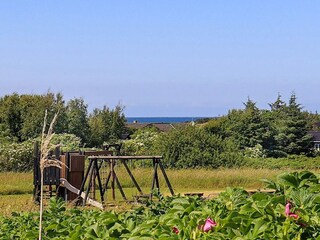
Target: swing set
76, 182
108, 164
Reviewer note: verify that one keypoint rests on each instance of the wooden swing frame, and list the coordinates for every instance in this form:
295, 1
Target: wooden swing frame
93, 171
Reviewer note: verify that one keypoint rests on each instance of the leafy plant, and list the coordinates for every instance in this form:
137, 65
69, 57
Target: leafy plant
291, 213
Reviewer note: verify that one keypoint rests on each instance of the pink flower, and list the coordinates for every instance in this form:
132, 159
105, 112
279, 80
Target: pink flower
289, 213
295, 216
175, 230
208, 225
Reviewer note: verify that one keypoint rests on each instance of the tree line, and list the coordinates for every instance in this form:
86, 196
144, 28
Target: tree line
232, 140
21, 118
239, 138
276, 132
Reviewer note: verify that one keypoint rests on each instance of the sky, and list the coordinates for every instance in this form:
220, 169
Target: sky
163, 58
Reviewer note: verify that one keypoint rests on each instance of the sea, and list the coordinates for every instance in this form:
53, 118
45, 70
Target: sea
162, 119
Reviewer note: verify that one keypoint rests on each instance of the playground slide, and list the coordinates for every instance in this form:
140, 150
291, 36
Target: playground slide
67, 185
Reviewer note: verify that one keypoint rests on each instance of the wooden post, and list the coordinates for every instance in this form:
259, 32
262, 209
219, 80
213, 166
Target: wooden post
85, 179
99, 180
155, 180
112, 180
36, 173
120, 187
166, 178
105, 187
131, 176
90, 182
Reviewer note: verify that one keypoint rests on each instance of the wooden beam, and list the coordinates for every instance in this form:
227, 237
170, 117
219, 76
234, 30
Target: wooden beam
125, 157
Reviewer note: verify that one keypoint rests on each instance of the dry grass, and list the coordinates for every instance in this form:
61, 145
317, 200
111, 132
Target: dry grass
45, 162
17, 203
221, 178
201, 178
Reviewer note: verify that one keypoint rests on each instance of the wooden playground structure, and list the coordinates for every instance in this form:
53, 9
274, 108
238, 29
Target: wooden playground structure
93, 172
81, 176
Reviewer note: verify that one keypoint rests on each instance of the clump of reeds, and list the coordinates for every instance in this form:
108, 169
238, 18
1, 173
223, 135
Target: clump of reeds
45, 161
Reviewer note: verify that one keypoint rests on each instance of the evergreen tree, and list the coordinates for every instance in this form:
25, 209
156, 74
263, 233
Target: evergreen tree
256, 130
248, 126
293, 137
278, 105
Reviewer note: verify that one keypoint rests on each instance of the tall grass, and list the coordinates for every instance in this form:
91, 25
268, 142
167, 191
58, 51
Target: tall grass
15, 183
17, 203
199, 179
182, 181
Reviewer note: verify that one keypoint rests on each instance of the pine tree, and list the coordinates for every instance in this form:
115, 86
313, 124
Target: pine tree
249, 127
293, 137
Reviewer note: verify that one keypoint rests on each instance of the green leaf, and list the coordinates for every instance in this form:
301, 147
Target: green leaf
288, 180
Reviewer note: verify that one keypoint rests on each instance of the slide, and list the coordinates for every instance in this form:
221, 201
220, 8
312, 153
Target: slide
67, 185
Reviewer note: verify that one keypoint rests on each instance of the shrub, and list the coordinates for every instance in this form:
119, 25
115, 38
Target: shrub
255, 152
16, 156
141, 142
194, 147
67, 142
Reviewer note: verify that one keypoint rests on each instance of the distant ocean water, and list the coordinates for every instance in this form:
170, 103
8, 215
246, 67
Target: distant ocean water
162, 119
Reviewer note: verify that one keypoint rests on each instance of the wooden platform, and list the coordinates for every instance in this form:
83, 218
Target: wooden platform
190, 194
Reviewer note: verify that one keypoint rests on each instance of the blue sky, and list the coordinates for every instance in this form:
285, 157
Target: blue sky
163, 58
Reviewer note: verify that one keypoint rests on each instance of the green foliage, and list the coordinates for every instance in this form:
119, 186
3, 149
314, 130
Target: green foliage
67, 142
19, 156
235, 214
255, 152
16, 156
23, 115
192, 146
10, 115
290, 162
106, 125
141, 142
21, 118
5, 136
292, 131
248, 128
280, 131
77, 119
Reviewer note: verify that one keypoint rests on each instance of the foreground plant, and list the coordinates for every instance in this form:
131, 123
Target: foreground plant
234, 214
45, 162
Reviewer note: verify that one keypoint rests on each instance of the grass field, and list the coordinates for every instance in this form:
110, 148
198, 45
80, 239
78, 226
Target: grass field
16, 183
16, 188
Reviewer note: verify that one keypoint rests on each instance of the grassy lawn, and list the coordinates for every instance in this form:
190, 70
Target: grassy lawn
16, 188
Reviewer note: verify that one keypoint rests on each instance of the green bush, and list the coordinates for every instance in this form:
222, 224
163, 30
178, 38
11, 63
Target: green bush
67, 142
191, 146
16, 157
141, 142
